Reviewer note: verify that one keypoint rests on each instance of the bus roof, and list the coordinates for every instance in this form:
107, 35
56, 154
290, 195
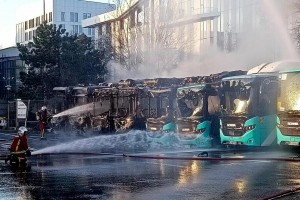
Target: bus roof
274, 66
290, 70
193, 86
250, 76
160, 90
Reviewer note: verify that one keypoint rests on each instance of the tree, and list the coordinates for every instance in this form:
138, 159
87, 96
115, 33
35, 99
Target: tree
81, 63
56, 58
147, 36
41, 57
294, 13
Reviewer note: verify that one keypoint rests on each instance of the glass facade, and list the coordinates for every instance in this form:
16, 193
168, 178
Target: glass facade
10, 68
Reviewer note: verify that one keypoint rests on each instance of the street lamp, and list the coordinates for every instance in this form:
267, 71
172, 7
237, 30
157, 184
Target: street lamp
8, 86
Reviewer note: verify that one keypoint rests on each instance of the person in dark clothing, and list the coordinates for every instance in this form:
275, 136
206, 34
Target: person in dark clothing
43, 118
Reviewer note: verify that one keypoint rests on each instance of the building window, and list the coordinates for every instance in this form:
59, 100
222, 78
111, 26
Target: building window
31, 23
75, 29
26, 36
146, 14
62, 16
37, 21
103, 29
100, 30
74, 17
122, 24
80, 29
132, 19
140, 17
86, 15
91, 31
26, 25
30, 35
50, 16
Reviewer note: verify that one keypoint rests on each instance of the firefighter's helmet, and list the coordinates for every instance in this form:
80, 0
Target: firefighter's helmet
44, 108
22, 131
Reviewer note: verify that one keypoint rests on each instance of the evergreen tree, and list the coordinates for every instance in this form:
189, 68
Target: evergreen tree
56, 58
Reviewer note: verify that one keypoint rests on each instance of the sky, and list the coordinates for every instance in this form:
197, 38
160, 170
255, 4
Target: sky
8, 19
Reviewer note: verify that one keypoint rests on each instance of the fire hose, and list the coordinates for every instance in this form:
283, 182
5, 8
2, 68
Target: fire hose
201, 157
282, 194
289, 159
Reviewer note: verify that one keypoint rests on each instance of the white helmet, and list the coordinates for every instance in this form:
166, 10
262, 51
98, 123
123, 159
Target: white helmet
44, 108
22, 130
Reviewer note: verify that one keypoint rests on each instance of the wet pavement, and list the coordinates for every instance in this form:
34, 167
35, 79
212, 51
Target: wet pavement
94, 167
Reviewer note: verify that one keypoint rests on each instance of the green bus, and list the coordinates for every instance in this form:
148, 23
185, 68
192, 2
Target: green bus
249, 110
288, 128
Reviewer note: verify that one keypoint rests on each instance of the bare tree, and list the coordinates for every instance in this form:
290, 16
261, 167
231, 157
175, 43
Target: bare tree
146, 33
294, 16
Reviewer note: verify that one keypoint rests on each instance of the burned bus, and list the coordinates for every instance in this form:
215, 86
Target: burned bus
108, 108
162, 104
198, 106
62, 98
80, 116
104, 97
126, 101
288, 128
249, 110
127, 106
162, 98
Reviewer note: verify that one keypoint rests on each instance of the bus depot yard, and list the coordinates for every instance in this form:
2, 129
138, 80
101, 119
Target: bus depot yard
167, 138
255, 108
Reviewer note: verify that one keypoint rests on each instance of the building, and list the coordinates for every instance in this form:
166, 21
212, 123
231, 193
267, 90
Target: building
10, 67
67, 13
169, 31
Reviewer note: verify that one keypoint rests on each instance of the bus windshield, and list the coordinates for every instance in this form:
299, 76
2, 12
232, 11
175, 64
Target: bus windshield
190, 101
237, 96
289, 95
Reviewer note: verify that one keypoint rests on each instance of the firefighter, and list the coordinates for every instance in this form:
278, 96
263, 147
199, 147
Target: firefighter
19, 147
43, 118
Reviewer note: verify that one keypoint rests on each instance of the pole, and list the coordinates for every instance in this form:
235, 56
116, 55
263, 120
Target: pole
8, 114
44, 10
94, 109
17, 123
27, 113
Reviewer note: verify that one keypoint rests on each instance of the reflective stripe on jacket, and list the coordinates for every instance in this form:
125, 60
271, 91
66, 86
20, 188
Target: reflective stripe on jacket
19, 144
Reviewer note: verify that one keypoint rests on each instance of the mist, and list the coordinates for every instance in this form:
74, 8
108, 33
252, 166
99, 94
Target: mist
269, 42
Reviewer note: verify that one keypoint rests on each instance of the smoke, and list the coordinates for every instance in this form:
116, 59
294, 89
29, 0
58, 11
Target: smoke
262, 40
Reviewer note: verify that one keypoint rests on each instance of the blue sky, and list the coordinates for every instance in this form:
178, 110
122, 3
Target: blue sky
8, 19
